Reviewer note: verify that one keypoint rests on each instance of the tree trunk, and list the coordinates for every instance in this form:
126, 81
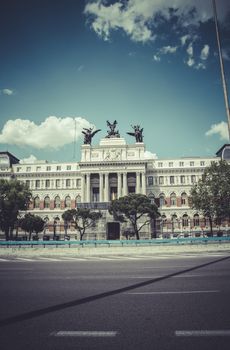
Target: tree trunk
210, 223
137, 235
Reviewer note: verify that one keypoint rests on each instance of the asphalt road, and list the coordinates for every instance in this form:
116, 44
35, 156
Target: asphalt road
143, 303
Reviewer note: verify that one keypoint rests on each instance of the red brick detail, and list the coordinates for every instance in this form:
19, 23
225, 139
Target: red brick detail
167, 200
73, 204
62, 204
41, 204
178, 201
52, 204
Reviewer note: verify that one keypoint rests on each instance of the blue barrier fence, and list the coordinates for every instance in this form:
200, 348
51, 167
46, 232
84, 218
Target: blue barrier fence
121, 243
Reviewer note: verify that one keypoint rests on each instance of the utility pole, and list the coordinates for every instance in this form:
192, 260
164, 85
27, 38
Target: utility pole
74, 141
222, 67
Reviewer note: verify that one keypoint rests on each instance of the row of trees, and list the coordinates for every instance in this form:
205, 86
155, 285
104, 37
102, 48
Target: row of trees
210, 196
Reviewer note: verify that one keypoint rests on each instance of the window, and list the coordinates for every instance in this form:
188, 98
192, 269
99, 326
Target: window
164, 220
181, 164
28, 183
38, 168
47, 183
196, 220
28, 168
57, 202
182, 179
173, 199
78, 182
162, 200
37, 184
78, 199
191, 163
68, 167
150, 180
48, 168
67, 202
185, 220
161, 180
202, 163
36, 202
47, 202
193, 179
171, 180
18, 169
170, 164
67, 182
184, 199
58, 167
160, 164
58, 183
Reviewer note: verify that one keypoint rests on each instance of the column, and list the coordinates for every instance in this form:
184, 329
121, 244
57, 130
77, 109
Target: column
100, 187
83, 188
138, 183
106, 192
125, 187
88, 188
118, 185
143, 183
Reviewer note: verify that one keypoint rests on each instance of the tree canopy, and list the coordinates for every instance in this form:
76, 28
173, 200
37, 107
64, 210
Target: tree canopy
32, 223
137, 209
82, 218
14, 196
211, 195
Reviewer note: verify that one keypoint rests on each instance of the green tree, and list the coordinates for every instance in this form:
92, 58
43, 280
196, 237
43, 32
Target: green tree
211, 195
32, 223
14, 197
135, 208
82, 218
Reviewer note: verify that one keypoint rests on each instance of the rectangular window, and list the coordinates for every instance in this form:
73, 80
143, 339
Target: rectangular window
150, 180
38, 168
193, 179
202, 163
181, 163
160, 164
28, 183
67, 182
47, 183
37, 183
161, 180
182, 179
58, 183
48, 168
171, 180
28, 168
191, 163
68, 167
170, 164
18, 169
58, 167
78, 182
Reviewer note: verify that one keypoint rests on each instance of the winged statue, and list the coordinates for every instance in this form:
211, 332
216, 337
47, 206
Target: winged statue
112, 132
138, 133
88, 135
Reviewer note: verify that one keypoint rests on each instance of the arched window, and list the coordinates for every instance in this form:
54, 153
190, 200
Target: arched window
152, 198
67, 202
37, 202
185, 220
184, 199
173, 199
57, 202
164, 220
162, 199
47, 202
196, 220
78, 199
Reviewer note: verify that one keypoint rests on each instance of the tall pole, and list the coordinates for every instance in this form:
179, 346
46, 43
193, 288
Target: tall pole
74, 141
222, 67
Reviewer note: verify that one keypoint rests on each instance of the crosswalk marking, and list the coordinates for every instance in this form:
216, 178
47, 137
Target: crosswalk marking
87, 334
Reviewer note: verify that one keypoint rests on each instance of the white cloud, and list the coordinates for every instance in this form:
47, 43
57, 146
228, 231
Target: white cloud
30, 160
190, 50
190, 62
156, 58
226, 54
184, 39
200, 66
168, 49
220, 129
53, 132
8, 92
150, 155
204, 52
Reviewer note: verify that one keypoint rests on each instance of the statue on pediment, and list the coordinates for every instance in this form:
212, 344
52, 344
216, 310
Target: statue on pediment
138, 133
112, 132
88, 135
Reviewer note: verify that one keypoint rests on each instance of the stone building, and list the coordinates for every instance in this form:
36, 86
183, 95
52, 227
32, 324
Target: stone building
110, 170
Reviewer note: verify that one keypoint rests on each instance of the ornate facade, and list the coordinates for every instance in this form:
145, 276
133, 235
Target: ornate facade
110, 170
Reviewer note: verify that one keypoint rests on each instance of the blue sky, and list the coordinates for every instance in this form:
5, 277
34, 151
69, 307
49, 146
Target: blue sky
137, 62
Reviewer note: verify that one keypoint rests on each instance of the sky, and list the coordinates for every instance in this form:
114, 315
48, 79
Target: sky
70, 64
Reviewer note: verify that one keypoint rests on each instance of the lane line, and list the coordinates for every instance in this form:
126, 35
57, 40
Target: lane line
203, 333
175, 292
95, 334
24, 259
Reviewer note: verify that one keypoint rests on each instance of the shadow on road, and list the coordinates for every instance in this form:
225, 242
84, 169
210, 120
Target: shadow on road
44, 311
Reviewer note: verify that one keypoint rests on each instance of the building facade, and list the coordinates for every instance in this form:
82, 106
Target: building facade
110, 170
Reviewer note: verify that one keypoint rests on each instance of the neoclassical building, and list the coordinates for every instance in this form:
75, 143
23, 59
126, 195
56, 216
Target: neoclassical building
110, 170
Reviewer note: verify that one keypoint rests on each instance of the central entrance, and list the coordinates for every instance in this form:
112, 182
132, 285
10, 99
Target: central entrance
113, 230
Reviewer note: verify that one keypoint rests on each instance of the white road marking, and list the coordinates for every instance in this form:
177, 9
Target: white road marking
48, 259
175, 292
94, 334
4, 260
203, 333
24, 259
